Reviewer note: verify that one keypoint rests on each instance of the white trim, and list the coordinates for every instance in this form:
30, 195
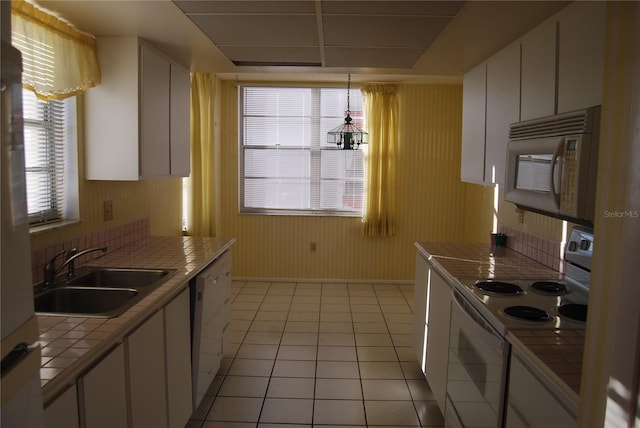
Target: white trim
327, 280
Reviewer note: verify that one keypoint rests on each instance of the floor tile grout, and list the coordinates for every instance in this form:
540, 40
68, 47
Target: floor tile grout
385, 315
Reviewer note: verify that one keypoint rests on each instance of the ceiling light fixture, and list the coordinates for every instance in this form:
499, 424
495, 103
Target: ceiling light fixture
347, 136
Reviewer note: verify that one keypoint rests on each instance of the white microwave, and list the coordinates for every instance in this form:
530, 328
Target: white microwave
552, 165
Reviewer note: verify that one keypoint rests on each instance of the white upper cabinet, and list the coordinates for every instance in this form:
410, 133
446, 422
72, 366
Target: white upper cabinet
137, 119
491, 101
503, 108
155, 81
581, 55
555, 68
180, 121
538, 81
474, 101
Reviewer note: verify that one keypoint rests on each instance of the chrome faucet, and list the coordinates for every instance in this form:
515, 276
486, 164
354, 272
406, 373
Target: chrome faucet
50, 270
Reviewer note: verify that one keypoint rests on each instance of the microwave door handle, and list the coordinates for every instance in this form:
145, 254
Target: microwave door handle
554, 163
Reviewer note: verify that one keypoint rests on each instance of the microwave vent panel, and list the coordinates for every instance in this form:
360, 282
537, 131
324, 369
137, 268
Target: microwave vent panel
576, 122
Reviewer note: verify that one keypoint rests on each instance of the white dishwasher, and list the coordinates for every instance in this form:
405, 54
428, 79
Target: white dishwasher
211, 334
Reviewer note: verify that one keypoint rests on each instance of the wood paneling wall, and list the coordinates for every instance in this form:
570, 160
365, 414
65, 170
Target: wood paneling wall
158, 199
433, 204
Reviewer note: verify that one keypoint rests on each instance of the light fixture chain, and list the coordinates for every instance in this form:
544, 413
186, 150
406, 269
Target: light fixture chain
348, 92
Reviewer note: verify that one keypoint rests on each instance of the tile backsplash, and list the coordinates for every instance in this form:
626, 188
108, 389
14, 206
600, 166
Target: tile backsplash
113, 237
544, 250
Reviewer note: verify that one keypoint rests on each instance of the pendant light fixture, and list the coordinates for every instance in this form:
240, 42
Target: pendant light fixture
347, 136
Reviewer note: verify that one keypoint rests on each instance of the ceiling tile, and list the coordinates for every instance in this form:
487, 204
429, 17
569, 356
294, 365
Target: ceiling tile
259, 30
272, 55
203, 6
381, 31
371, 57
410, 8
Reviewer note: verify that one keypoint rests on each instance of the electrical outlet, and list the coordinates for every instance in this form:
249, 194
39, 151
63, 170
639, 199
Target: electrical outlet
108, 210
312, 247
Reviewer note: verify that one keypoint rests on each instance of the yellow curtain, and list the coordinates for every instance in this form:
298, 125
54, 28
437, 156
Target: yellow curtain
201, 197
58, 60
381, 113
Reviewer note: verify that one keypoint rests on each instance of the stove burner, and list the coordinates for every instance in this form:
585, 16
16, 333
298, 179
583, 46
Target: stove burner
527, 313
499, 287
550, 287
574, 311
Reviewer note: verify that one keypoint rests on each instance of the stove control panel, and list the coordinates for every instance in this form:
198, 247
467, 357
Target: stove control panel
580, 247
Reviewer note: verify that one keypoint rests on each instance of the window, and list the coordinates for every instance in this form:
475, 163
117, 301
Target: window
287, 166
49, 157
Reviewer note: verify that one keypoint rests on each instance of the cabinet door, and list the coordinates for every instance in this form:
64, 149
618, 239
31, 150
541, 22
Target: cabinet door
503, 108
531, 403
438, 318
581, 55
178, 351
538, 86
155, 151
420, 309
474, 99
180, 121
147, 378
63, 411
103, 392
111, 114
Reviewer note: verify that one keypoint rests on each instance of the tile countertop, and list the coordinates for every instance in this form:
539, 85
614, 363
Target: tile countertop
556, 354
71, 344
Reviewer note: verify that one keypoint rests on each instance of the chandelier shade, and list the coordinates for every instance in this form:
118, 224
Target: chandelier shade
347, 136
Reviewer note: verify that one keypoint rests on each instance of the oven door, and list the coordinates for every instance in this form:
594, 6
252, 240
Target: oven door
478, 359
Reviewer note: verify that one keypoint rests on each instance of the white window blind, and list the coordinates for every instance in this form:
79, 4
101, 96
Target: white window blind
287, 166
44, 126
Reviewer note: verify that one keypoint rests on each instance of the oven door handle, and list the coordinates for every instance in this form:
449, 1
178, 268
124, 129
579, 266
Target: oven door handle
491, 336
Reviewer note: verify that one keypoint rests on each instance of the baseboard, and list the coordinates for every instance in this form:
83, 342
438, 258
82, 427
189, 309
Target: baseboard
327, 280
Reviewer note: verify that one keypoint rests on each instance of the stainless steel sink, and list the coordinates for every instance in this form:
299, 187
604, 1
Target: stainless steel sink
90, 301
112, 277
99, 292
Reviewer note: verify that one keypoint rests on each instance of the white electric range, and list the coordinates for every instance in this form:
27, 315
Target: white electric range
483, 311
547, 303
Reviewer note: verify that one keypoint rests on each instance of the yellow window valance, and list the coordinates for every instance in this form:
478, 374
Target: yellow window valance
58, 60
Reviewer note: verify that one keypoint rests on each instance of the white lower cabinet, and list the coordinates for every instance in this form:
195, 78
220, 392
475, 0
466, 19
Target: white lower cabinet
531, 402
63, 411
420, 289
103, 396
146, 380
432, 312
147, 375
438, 316
178, 353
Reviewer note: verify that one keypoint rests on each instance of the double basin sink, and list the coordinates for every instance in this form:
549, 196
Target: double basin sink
99, 292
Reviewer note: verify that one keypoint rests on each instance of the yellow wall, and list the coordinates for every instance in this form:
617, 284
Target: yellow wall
432, 203
529, 222
158, 199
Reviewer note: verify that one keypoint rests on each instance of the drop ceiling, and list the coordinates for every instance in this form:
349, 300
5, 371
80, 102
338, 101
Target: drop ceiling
316, 39
384, 34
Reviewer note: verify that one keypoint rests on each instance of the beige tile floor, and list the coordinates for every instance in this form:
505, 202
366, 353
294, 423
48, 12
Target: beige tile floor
319, 355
